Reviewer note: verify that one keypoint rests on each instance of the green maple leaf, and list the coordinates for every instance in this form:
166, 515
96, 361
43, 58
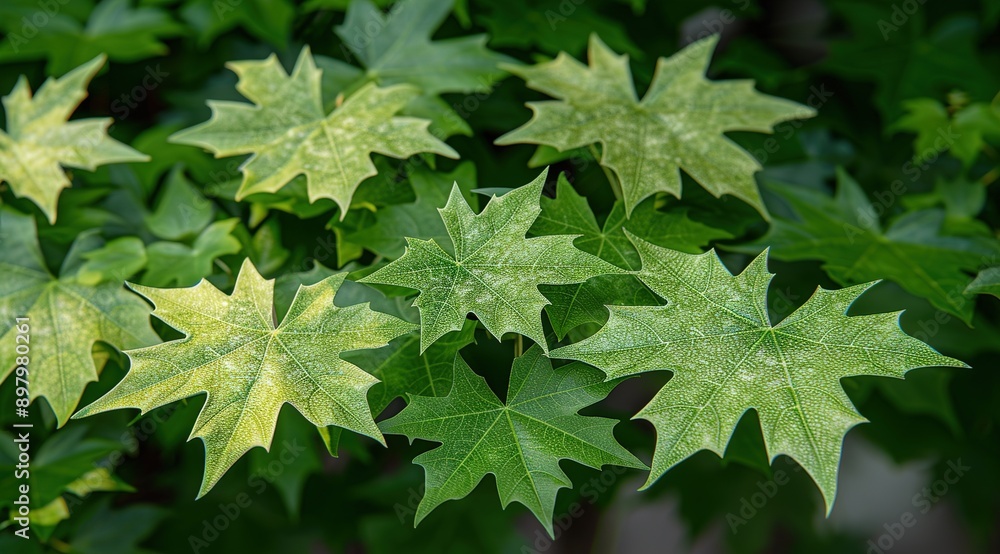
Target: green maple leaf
400, 367
678, 124
177, 264
987, 282
570, 214
293, 436
67, 463
961, 199
520, 441
102, 529
401, 51
114, 28
66, 317
64, 462
182, 211
518, 24
397, 50
116, 261
962, 133
914, 251
403, 370
268, 20
909, 61
64, 470
716, 337
289, 134
419, 219
492, 271
40, 140
249, 367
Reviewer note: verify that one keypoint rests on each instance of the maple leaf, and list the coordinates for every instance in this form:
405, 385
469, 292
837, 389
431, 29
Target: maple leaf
678, 124
937, 131
177, 264
68, 463
908, 61
266, 19
249, 367
66, 317
420, 218
716, 337
182, 211
400, 367
114, 29
523, 25
844, 231
293, 436
40, 140
987, 282
520, 441
289, 134
397, 50
403, 370
116, 261
569, 213
492, 271
401, 51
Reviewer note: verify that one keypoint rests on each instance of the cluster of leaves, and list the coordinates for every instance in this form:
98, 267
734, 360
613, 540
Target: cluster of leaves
363, 223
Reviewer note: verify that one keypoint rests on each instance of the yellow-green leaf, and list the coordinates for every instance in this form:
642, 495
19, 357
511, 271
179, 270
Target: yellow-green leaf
40, 141
66, 317
678, 124
249, 367
288, 133
490, 269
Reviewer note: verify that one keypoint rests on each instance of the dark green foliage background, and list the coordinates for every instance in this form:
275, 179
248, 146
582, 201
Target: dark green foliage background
363, 500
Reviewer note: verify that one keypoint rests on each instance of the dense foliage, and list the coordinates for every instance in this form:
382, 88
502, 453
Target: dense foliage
407, 269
